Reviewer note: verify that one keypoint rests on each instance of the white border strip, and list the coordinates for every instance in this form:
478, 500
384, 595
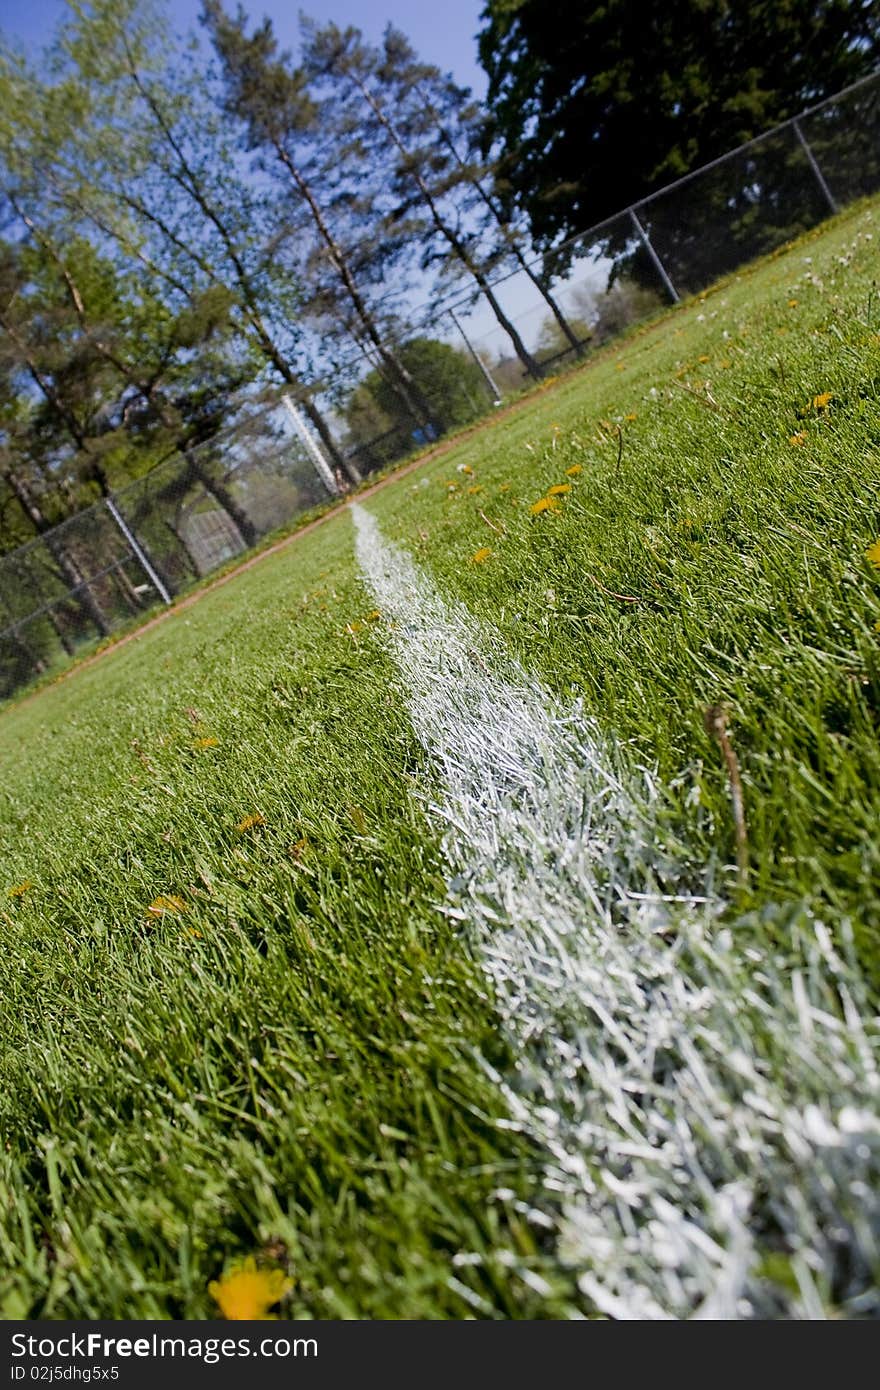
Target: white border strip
708, 1108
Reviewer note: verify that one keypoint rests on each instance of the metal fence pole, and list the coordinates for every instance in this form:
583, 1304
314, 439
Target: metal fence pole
490, 381
138, 550
322, 467
656, 261
814, 165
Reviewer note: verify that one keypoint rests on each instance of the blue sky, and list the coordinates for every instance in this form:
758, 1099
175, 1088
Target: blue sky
442, 33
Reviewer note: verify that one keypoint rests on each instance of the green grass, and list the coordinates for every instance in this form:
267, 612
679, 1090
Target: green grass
294, 1065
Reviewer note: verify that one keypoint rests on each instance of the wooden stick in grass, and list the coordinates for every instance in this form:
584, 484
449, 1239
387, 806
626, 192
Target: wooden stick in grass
715, 720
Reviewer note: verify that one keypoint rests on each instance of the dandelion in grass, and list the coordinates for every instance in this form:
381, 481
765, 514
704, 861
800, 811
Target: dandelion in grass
558, 489
354, 628
544, 504
799, 438
704, 357
250, 822
19, 890
792, 304
632, 415
481, 556
465, 468
373, 616
873, 553
246, 1293
165, 905
575, 469
823, 400
472, 490
207, 742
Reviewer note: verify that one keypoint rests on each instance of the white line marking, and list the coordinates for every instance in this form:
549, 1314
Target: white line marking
709, 1106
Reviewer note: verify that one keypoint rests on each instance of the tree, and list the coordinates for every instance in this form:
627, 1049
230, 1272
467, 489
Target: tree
146, 170
608, 102
423, 169
452, 382
283, 122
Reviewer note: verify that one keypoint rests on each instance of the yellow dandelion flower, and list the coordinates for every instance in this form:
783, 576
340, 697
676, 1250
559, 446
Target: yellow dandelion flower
558, 489
545, 504
373, 616
20, 889
799, 438
248, 822
474, 489
792, 304
632, 415
873, 553
245, 1293
481, 555
166, 904
504, 487
353, 628
704, 358
208, 742
575, 469
465, 468
823, 400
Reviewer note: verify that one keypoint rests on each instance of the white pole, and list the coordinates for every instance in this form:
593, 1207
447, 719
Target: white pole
490, 380
814, 165
138, 551
655, 259
322, 467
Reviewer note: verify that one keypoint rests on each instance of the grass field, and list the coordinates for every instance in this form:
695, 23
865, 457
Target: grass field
379, 917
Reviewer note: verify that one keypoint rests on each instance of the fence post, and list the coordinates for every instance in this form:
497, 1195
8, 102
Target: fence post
490, 381
814, 165
656, 261
138, 550
322, 467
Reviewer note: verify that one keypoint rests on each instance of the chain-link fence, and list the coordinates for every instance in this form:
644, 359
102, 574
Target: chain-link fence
83, 579
461, 357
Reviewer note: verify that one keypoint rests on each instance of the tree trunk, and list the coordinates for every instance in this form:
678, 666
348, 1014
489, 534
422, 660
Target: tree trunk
67, 566
520, 259
411, 396
224, 497
458, 247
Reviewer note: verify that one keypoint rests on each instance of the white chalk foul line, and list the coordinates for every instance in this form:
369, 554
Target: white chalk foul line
709, 1110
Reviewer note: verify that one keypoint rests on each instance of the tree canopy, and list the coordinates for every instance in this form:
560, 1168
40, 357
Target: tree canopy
603, 103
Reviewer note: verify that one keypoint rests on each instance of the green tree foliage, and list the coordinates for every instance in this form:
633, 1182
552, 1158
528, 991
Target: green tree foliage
451, 381
596, 105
